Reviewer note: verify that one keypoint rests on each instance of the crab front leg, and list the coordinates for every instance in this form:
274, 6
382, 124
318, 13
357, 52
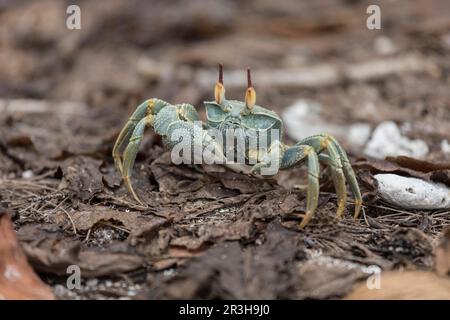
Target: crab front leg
153, 112
148, 107
338, 162
286, 157
296, 155
333, 163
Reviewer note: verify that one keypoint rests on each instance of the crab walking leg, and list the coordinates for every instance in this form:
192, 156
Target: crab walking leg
129, 156
320, 144
325, 160
125, 134
351, 177
323, 141
161, 116
313, 187
337, 174
296, 155
150, 106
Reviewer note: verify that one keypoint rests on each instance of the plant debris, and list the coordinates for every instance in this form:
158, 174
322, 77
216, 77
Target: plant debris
203, 231
17, 278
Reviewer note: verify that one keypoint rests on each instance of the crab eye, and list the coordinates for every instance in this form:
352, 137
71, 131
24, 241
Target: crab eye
219, 89
250, 93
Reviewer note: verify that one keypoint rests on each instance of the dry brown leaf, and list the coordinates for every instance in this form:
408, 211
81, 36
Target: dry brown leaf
82, 177
17, 279
408, 285
406, 166
442, 254
139, 225
228, 271
49, 251
418, 165
325, 277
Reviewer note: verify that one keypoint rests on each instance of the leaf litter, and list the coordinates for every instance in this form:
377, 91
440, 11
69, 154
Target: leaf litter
206, 232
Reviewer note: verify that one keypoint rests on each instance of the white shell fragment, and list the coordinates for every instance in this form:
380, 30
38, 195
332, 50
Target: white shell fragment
413, 193
387, 140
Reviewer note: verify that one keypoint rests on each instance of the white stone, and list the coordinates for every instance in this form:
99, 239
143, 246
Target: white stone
384, 45
413, 193
27, 174
445, 146
358, 134
387, 140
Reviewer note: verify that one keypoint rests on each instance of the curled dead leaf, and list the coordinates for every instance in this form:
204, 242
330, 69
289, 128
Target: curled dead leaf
442, 254
406, 166
50, 252
410, 285
418, 165
17, 279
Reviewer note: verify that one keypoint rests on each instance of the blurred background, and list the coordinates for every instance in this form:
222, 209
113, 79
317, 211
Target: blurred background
65, 94
317, 57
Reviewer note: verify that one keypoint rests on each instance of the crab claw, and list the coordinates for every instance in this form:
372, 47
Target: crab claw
263, 168
256, 169
219, 89
250, 93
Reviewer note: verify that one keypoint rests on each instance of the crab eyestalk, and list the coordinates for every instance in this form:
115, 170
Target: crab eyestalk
219, 89
250, 93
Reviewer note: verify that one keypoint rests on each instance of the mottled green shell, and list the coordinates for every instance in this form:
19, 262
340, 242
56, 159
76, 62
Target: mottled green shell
259, 119
254, 127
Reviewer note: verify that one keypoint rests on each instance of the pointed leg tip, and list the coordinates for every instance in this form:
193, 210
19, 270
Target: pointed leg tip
139, 201
131, 190
118, 164
135, 196
306, 219
358, 206
341, 208
340, 212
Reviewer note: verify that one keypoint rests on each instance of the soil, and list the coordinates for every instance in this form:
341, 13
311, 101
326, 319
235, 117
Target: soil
201, 234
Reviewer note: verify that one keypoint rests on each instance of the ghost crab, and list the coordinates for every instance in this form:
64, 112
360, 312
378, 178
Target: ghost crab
222, 114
